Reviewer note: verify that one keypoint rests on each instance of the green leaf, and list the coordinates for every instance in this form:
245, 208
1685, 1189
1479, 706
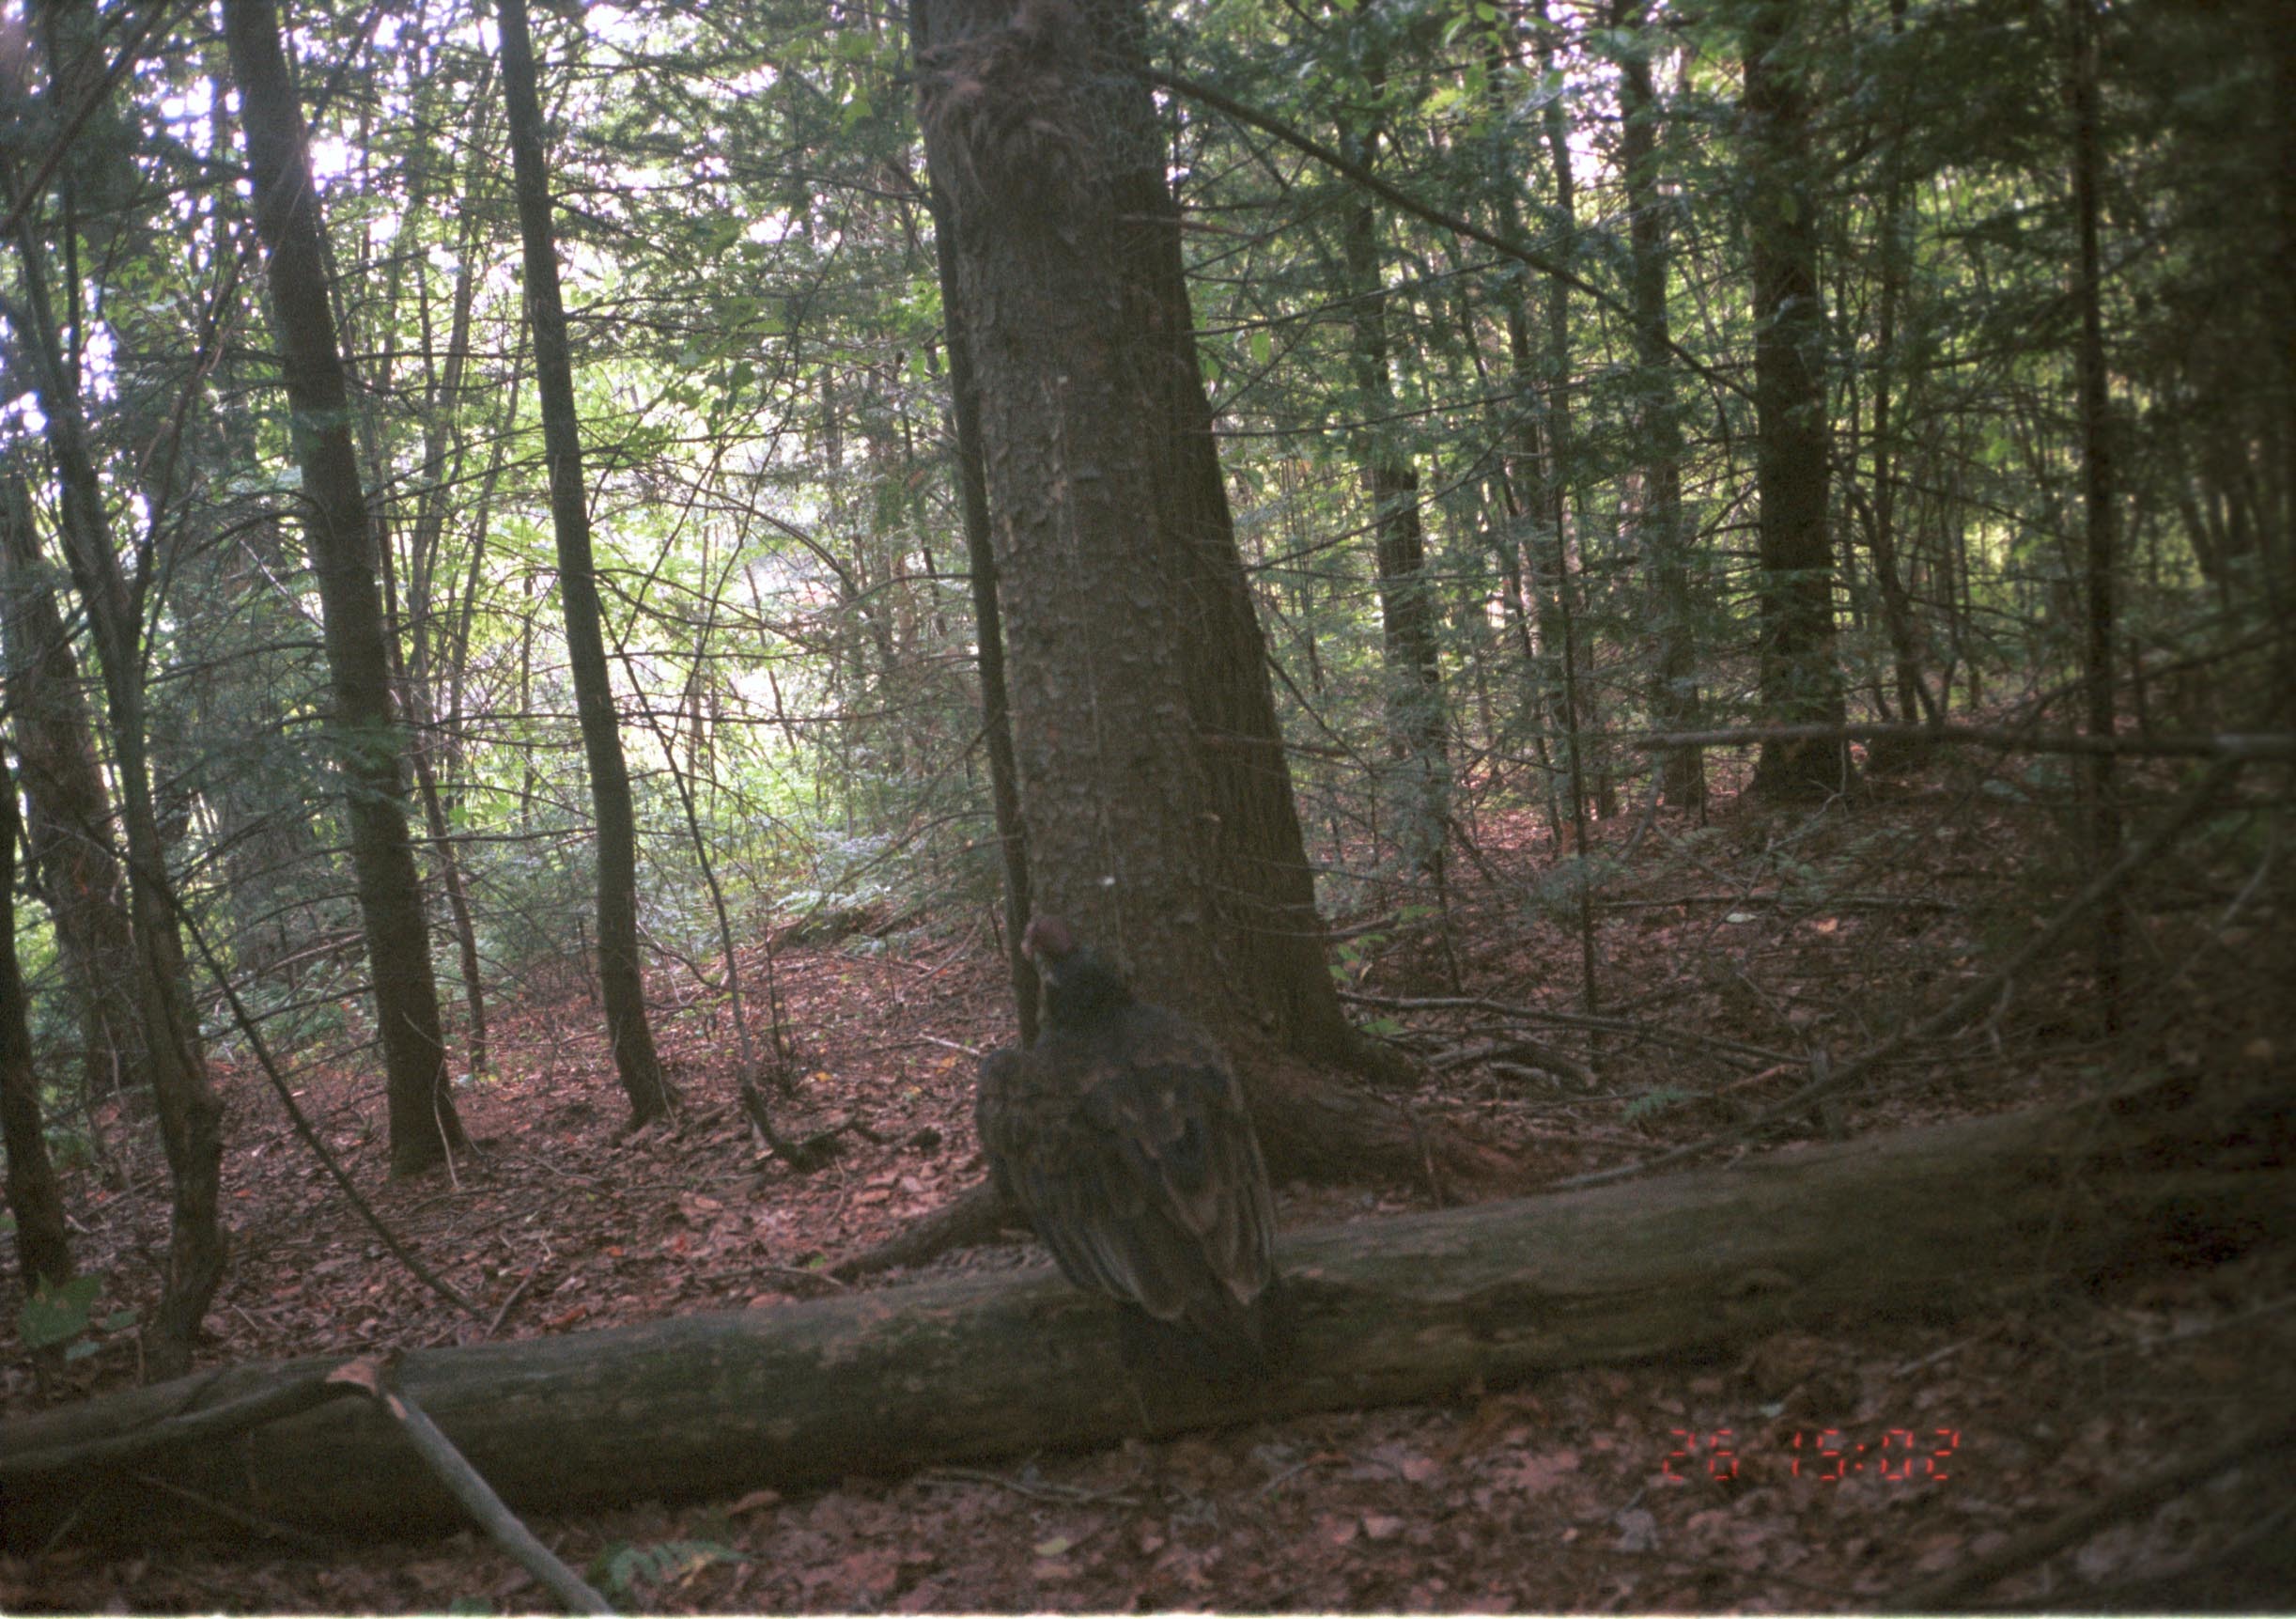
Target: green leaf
623, 1568
55, 1316
1656, 1100
1262, 346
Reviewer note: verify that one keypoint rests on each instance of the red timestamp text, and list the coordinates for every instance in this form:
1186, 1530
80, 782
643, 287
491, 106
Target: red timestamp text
1823, 1455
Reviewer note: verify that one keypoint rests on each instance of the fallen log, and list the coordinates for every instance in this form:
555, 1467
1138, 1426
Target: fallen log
1925, 1223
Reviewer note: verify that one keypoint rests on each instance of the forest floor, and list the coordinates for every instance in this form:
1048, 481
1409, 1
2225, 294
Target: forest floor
1772, 927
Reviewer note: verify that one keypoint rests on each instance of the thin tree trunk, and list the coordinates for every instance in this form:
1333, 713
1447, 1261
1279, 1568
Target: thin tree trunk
2097, 500
440, 469
1561, 449
68, 845
1800, 680
1914, 701
1674, 697
1524, 484
190, 1117
43, 1247
1417, 721
369, 741
620, 967
1561, 494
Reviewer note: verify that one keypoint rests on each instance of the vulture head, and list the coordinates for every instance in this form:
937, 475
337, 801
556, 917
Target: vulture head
1077, 983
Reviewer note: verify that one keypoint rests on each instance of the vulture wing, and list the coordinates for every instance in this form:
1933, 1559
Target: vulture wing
1130, 1146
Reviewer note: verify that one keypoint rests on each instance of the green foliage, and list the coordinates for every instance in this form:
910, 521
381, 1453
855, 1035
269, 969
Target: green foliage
1655, 1102
69, 1147
66, 1315
628, 1573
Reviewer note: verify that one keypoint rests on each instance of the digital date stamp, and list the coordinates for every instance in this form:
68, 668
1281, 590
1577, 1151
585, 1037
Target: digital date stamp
1820, 1456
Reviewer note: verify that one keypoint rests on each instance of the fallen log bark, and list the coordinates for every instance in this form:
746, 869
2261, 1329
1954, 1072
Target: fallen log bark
1925, 1223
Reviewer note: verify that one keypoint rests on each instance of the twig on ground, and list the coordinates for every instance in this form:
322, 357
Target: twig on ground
511, 1303
217, 1422
303, 1127
230, 1514
1734, 1051
1953, 1590
372, 1376
1531, 1056
1042, 1489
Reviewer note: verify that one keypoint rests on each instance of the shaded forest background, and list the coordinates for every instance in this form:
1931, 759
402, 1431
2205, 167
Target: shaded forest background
1751, 508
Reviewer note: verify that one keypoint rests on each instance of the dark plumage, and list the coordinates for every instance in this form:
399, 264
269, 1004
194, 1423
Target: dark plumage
1123, 1135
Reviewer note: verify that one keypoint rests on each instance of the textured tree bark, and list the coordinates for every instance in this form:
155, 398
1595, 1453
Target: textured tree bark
43, 1247
1155, 801
988, 624
1156, 796
68, 841
621, 980
1800, 678
368, 740
1417, 1308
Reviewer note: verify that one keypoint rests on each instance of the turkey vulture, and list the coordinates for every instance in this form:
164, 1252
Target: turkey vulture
1121, 1134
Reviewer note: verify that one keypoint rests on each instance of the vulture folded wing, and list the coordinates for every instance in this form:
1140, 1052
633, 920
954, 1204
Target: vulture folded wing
1124, 1135
1177, 1119
1108, 1238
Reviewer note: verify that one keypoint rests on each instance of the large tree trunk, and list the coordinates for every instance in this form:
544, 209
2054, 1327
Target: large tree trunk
988, 626
369, 741
1157, 802
1800, 680
69, 842
1417, 1308
621, 980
